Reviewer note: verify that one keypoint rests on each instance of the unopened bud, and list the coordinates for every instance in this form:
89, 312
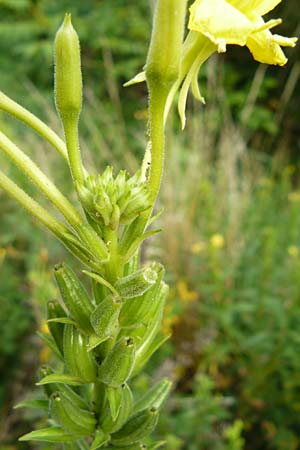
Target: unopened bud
68, 80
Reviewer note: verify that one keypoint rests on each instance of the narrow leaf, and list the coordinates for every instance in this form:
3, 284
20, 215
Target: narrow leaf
33, 404
53, 434
61, 378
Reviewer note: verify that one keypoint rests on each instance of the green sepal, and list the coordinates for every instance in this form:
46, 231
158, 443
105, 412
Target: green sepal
154, 397
51, 434
33, 404
61, 378
118, 363
138, 427
101, 438
74, 296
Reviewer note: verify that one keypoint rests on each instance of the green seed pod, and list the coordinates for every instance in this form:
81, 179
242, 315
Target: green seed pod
74, 297
136, 284
73, 420
54, 310
108, 424
138, 310
118, 363
138, 427
104, 318
155, 397
71, 395
68, 80
82, 416
79, 362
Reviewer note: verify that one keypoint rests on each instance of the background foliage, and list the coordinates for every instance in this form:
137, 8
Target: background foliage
232, 224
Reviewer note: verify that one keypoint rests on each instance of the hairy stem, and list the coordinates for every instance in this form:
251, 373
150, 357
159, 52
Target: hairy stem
11, 107
28, 167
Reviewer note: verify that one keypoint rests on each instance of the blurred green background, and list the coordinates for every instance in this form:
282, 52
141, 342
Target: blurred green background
231, 221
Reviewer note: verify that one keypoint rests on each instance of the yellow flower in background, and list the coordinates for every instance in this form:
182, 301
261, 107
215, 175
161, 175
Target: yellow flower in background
198, 247
185, 294
294, 197
44, 327
217, 241
2, 255
293, 251
240, 22
213, 25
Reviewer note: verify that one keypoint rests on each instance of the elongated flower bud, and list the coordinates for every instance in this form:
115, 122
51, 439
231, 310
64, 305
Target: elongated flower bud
68, 80
166, 41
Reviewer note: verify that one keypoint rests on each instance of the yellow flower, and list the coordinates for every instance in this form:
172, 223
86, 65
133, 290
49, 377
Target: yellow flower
198, 247
44, 327
293, 251
2, 255
217, 241
214, 24
240, 22
294, 197
185, 293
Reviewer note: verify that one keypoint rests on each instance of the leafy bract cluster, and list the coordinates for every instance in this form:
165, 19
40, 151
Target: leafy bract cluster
113, 201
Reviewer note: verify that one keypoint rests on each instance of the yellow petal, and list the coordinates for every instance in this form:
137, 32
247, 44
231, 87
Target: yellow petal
262, 7
284, 41
220, 22
265, 49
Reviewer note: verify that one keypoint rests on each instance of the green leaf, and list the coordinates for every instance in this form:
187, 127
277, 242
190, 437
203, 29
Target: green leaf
48, 340
33, 404
101, 280
63, 320
53, 434
61, 378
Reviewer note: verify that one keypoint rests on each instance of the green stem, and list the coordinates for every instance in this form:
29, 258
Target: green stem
32, 206
158, 98
72, 142
16, 110
24, 163
38, 212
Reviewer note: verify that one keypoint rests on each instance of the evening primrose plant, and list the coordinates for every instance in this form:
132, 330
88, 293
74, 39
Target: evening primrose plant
104, 337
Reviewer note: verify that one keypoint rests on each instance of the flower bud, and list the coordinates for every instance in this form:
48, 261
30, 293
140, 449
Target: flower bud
165, 49
68, 80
